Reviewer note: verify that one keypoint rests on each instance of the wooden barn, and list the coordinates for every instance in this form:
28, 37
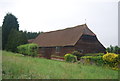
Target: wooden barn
60, 42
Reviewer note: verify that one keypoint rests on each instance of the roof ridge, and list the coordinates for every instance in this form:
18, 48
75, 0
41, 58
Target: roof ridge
65, 28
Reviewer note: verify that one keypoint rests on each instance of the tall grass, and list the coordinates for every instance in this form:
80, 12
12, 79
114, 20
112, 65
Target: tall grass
16, 66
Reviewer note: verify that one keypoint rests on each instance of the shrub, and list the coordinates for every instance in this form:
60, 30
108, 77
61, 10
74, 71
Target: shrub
28, 49
94, 54
95, 59
110, 57
77, 54
70, 58
112, 60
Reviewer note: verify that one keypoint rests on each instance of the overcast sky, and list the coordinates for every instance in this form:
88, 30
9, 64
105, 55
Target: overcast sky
101, 16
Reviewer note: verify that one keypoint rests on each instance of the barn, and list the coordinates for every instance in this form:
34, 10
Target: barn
79, 38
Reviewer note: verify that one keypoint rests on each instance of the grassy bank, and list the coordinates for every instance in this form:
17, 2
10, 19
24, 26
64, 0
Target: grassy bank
23, 67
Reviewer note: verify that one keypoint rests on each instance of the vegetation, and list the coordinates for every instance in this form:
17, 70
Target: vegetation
77, 54
110, 59
11, 36
94, 54
10, 22
17, 66
70, 58
113, 49
15, 39
93, 59
31, 35
28, 49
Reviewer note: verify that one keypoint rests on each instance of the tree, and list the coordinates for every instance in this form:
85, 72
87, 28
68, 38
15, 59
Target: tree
32, 35
113, 49
15, 39
10, 22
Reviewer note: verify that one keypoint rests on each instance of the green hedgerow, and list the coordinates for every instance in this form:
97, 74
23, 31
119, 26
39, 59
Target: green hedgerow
95, 59
28, 49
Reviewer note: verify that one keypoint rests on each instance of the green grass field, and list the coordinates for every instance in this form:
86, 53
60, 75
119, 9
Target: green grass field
16, 66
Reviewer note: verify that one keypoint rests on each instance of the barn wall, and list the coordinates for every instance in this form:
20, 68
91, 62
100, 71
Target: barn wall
52, 51
86, 44
89, 44
45, 52
65, 50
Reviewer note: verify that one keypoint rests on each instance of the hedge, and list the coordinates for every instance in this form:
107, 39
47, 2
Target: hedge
96, 59
28, 49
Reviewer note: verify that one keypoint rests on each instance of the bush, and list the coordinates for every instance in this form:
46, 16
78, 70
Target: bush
112, 59
70, 58
77, 54
28, 49
94, 54
95, 59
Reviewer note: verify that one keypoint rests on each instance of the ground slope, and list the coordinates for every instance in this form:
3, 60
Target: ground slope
18, 66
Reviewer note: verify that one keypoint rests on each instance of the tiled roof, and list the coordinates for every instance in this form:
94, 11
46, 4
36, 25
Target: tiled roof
64, 37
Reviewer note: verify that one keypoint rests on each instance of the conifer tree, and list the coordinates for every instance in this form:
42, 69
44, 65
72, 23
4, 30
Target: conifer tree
10, 22
15, 39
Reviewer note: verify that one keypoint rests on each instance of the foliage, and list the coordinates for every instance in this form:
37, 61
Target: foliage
113, 49
28, 49
15, 39
94, 54
112, 59
31, 35
10, 22
96, 59
17, 66
70, 58
78, 54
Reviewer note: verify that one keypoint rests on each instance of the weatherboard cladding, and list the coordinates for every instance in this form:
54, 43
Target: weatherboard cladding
65, 37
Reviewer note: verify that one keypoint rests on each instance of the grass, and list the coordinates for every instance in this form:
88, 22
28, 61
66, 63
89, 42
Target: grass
16, 66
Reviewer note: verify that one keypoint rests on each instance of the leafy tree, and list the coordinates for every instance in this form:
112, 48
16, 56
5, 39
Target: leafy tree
15, 39
116, 48
10, 22
113, 49
108, 50
31, 35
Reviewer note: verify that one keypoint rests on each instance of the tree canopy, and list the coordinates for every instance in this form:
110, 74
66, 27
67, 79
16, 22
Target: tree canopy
32, 35
15, 39
10, 22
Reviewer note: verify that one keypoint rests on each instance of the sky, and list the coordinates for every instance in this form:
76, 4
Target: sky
101, 16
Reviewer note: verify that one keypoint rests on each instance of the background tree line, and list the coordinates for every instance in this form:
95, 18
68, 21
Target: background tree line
113, 49
31, 35
12, 36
